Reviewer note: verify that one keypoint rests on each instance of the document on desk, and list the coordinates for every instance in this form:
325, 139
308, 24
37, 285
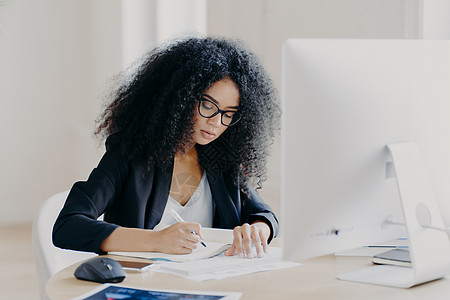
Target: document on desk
211, 249
222, 266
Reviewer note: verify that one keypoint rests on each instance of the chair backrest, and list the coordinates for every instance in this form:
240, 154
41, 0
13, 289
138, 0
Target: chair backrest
50, 259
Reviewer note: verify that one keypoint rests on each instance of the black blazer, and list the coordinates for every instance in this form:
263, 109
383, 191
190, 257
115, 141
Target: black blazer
131, 195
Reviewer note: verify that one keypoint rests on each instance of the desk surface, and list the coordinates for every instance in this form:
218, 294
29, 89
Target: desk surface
315, 279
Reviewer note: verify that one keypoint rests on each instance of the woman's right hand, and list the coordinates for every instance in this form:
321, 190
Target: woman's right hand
178, 238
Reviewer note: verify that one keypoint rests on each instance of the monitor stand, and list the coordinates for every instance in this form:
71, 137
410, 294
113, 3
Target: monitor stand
429, 248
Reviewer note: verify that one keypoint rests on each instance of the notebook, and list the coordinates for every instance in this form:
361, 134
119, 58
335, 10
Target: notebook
212, 249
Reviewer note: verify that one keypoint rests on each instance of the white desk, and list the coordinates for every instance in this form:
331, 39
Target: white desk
315, 279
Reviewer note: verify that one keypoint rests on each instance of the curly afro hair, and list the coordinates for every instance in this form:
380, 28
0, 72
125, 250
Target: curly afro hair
153, 111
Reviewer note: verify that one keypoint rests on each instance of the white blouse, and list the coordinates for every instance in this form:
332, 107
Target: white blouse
199, 208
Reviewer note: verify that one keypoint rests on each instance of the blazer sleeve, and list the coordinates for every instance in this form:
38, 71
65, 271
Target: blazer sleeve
255, 209
77, 227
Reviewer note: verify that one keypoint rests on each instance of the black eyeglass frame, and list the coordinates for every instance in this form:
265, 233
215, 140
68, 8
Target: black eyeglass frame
236, 114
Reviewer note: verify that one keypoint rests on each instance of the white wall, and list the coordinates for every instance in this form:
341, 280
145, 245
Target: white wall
435, 19
178, 17
55, 60
139, 30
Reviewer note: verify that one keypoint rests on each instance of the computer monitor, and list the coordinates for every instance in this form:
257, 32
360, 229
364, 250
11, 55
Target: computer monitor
366, 144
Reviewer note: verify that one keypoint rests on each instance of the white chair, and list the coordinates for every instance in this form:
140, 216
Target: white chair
50, 259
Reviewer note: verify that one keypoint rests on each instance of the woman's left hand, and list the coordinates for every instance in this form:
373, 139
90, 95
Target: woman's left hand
247, 235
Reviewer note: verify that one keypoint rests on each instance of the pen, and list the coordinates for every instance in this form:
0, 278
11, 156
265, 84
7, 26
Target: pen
388, 246
180, 219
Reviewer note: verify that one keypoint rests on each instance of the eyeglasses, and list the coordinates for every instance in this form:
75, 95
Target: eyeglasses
209, 109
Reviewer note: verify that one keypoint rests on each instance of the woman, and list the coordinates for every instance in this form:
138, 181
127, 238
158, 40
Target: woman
189, 132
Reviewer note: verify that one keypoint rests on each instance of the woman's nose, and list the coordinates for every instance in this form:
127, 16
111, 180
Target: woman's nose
216, 120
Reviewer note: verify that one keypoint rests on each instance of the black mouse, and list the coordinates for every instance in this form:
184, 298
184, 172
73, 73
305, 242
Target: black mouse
100, 269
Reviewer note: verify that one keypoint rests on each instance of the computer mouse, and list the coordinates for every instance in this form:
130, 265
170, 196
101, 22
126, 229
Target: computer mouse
100, 269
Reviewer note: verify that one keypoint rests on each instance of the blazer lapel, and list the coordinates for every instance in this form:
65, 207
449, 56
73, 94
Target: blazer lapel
158, 198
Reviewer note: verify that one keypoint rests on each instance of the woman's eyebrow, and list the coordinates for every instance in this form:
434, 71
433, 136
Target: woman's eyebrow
217, 102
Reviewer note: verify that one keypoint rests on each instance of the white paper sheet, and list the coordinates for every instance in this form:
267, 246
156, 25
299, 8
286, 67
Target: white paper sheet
227, 266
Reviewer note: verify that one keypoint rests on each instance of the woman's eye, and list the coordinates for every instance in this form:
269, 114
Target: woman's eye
229, 115
207, 105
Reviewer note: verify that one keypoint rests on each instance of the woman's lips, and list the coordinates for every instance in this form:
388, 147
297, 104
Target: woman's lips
207, 134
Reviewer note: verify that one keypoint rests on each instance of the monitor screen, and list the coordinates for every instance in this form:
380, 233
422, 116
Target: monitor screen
343, 102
